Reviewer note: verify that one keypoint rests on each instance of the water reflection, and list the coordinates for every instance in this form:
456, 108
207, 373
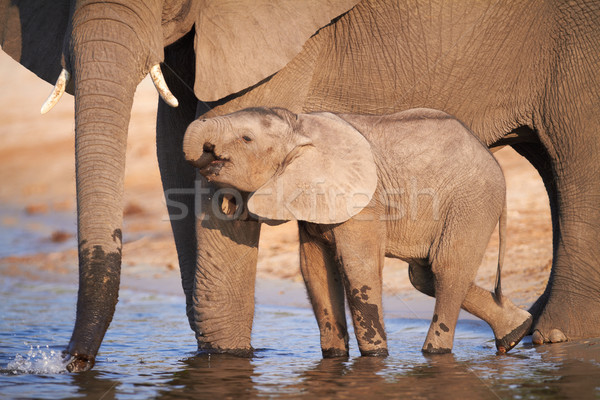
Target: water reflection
212, 376
94, 384
570, 370
222, 376
567, 370
440, 376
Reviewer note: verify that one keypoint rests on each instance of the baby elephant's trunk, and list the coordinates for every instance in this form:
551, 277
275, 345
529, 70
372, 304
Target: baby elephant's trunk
501, 249
198, 144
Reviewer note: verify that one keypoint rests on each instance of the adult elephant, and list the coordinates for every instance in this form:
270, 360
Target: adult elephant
105, 48
521, 73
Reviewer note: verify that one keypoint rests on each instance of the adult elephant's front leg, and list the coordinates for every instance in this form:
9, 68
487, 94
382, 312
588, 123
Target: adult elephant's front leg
225, 275
178, 176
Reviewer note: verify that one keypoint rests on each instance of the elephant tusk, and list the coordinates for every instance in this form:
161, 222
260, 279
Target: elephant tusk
59, 90
161, 86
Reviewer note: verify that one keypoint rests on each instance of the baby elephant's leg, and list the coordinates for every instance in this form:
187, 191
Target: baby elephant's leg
421, 278
509, 323
326, 292
361, 250
451, 284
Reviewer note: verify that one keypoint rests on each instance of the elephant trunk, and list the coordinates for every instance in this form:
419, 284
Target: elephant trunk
107, 64
201, 143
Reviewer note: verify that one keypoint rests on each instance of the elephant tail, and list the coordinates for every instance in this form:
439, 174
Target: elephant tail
501, 249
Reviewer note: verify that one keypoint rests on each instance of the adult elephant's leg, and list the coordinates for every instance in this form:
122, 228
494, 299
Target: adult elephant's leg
421, 278
537, 155
217, 263
572, 297
225, 275
177, 175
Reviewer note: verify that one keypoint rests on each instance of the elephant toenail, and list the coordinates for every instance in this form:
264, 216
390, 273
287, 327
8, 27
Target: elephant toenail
537, 337
557, 336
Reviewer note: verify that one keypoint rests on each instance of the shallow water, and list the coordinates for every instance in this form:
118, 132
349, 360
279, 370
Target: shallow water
25, 234
148, 352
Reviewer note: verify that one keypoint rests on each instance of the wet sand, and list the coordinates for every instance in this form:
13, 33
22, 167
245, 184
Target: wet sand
37, 196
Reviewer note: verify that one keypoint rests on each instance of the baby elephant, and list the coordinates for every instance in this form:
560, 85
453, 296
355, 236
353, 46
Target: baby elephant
415, 185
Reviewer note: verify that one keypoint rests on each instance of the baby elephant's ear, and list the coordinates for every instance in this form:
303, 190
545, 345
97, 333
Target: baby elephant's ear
328, 179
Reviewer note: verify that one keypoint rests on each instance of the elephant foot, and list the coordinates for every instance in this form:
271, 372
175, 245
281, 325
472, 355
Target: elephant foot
78, 363
434, 350
566, 317
554, 336
513, 338
335, 353
242, 353
374, 353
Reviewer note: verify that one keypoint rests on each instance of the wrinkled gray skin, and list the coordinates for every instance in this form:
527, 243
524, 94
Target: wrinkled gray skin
519, 73
437, 194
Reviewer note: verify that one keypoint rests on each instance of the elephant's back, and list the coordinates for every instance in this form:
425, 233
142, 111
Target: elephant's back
433, 173
421, 140
431, 151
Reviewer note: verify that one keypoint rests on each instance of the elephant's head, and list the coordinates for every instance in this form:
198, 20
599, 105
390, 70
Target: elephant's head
310, 167
104, 49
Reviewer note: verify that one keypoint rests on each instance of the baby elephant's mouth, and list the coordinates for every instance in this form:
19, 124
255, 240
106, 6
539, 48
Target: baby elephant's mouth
209, 162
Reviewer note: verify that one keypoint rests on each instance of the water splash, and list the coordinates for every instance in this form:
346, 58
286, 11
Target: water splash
38, 360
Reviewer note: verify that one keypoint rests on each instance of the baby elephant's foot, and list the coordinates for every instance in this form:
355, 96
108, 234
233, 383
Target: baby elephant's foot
382, 352
429, 348
440, 337
511, 339
335, 353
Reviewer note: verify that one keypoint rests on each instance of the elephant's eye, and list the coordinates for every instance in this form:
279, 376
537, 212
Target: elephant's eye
246, 139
